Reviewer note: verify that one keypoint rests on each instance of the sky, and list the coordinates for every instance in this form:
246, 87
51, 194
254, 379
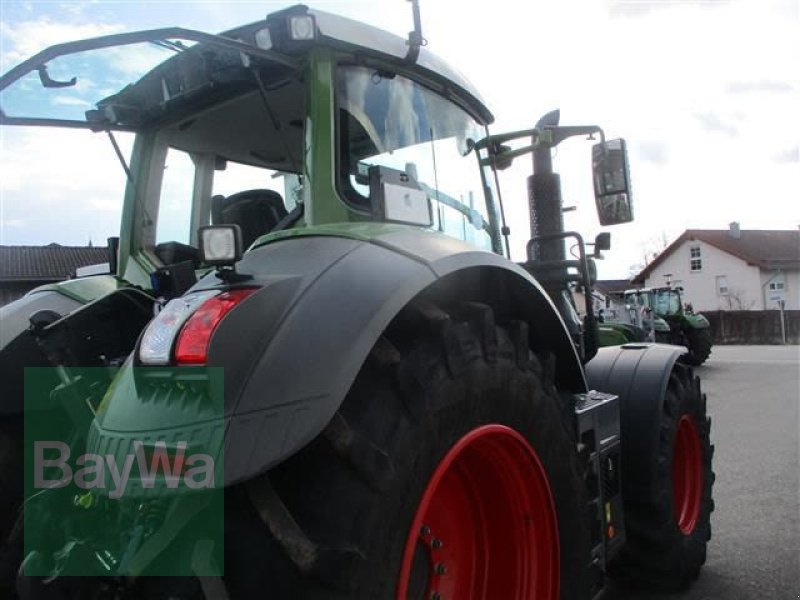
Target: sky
707, 94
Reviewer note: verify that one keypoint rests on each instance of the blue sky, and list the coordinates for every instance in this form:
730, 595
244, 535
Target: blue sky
705, 92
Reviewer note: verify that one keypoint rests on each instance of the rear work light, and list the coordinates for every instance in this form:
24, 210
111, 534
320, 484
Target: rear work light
192, 319
192, 345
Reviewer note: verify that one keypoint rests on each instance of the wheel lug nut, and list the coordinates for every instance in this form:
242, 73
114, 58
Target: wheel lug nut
436, 596
425, 530
440, 569
436, 544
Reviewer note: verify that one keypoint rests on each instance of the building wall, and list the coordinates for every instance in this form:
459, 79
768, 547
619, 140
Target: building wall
701, 287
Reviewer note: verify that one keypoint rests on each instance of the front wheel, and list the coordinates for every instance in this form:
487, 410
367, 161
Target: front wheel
668, 522
447, 473
699, 343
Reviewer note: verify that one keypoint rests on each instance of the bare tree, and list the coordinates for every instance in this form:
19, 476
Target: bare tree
652, 247
738, 300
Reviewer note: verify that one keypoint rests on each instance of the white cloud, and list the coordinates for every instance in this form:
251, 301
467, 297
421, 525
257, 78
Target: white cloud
59, 185
23, 39
69, 101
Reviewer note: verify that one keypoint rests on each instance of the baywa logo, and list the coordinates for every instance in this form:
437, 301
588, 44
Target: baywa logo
156, 464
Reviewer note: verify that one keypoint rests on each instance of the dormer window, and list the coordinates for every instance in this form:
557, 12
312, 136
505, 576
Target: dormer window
695, 261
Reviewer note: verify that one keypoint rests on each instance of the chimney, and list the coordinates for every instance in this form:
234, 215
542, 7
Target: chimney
734, 230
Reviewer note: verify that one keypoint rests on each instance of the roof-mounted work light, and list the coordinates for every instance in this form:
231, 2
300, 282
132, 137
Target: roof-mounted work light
302, 27
290, 29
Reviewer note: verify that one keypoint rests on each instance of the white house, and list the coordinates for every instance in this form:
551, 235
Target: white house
731, 269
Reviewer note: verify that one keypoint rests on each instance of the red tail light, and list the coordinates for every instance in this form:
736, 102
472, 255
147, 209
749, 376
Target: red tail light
192, 345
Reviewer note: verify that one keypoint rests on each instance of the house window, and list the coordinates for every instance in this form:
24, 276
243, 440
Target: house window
776, 286
722, 285
695, 262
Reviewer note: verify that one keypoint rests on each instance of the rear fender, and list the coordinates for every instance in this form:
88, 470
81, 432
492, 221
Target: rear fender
639, 375
292, 350
315, 353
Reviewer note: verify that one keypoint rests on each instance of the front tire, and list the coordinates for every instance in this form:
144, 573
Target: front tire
699, 342
668, 524
343, 516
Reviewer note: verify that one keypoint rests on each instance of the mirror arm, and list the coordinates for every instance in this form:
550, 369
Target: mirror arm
495, 140
561, 133
548, 137
507, 155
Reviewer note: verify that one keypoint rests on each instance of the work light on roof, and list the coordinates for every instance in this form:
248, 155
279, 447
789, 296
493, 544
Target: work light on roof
264, 39
302, 27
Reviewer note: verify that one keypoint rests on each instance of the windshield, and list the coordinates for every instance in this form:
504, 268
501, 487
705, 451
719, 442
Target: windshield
390, 121
667, 302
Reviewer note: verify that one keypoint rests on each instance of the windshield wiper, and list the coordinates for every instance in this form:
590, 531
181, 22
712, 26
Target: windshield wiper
49, 82
176, 46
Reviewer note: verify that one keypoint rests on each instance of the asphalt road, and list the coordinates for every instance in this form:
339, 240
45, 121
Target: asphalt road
753, 396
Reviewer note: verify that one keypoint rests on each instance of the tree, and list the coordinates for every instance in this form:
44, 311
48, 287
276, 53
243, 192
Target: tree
738, 300
650, 249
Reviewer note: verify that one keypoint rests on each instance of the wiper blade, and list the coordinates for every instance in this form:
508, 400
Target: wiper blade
176, 46
49, 82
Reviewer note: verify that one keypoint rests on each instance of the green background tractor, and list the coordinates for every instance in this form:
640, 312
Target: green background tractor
686, 328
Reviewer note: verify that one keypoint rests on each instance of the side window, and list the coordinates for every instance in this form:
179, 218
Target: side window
175, 202
722, 285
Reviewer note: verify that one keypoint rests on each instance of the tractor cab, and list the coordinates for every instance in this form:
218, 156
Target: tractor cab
303, 120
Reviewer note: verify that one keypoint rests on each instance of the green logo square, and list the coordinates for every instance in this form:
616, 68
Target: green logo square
124, 471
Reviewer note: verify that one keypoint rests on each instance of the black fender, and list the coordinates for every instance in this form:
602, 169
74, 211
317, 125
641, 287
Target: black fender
639, 375
292, 350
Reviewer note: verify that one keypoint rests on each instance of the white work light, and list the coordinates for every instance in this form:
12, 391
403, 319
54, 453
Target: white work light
220, 244
264, 39
302, 27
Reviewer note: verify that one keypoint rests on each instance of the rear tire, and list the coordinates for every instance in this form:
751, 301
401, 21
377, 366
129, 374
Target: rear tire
668, 526
333, 521
699, 346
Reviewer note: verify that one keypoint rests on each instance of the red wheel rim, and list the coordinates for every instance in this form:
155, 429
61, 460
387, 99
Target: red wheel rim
486, 525
687, 475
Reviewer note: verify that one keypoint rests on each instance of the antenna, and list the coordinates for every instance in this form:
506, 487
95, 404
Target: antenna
415, 39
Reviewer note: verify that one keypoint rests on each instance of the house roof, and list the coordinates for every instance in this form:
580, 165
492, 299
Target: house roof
764, 248
47, 263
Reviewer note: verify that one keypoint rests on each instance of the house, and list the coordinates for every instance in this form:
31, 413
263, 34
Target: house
23, 268
730, 269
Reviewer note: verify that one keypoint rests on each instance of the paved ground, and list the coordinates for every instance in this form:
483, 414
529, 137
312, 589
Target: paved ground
753, 396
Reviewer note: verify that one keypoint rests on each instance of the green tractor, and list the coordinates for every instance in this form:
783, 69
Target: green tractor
312, 333
634, 323
685, 327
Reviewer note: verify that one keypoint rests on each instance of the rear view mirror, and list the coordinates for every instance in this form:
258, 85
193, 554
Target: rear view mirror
612, 182
602, 241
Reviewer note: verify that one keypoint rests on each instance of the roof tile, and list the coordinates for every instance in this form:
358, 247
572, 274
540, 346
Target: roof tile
47, 263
